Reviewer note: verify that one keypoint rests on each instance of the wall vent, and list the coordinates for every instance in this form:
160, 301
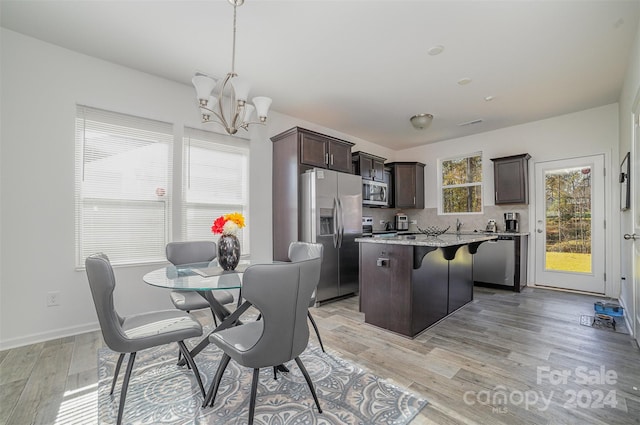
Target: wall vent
478, 121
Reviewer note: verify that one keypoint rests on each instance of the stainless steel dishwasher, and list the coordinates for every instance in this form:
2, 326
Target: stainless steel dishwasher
495, 262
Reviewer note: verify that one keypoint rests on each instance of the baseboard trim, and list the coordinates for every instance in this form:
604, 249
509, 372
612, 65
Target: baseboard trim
48, 336
575, 291
628, 319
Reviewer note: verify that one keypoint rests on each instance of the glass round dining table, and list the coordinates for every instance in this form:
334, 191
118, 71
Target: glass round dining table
204, 278
197, 277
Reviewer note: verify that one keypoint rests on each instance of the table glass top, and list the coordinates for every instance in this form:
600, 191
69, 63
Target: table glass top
197, 276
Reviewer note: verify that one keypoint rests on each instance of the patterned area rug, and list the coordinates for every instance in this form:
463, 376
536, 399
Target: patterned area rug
162, 393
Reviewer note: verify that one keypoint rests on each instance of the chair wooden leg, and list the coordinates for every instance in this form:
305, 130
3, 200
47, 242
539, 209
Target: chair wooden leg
125, 385
308, 379
115, 375
215, 384
254, 390
313, 322
275, 373
192, 364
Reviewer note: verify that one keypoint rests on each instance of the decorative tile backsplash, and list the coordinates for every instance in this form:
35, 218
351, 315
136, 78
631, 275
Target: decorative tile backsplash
429, 217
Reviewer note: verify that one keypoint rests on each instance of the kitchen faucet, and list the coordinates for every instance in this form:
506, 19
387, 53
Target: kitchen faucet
458, 225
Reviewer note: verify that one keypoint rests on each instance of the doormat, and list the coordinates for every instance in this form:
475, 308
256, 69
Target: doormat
590, 321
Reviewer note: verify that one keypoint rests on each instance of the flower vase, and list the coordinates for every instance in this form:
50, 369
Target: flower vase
228, 252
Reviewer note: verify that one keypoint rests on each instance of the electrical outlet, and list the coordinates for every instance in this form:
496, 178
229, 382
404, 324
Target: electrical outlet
414, 221
53, 298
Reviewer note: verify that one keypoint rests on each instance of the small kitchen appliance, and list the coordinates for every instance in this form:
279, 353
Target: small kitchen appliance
374, 194
491, 226
511, 221
367, 226
402, 222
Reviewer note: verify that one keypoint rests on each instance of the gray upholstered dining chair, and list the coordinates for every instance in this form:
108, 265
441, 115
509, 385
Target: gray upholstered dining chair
281, 292
136, 332
300, 251
181, 253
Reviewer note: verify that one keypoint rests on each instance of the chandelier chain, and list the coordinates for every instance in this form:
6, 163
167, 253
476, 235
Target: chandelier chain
233, 51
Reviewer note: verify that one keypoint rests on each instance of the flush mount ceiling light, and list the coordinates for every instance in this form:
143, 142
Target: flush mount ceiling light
235, 90
435, 50
421, 121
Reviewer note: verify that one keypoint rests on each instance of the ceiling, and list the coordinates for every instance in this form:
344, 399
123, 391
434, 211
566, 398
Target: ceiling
362, 67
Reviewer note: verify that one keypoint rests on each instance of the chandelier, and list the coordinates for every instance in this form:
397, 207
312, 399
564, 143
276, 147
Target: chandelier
235, 90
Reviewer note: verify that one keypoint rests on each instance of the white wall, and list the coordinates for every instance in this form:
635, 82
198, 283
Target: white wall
37, 175
593, 131
630, 92
41, 85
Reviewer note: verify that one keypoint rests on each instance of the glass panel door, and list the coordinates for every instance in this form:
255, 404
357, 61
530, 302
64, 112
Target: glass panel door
568, 219
569, 216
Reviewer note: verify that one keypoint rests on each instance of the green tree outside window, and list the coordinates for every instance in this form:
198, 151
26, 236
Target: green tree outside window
462, 184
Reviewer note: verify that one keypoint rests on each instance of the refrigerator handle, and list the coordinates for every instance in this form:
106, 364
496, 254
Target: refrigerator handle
341, 224
336, 223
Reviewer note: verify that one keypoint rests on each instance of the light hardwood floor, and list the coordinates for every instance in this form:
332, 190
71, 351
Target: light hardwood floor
524, 347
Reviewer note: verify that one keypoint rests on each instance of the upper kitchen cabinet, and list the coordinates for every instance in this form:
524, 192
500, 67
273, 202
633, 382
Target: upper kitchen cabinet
369, 167
387, 177
511, 179
408, 184
294, 152
319, 150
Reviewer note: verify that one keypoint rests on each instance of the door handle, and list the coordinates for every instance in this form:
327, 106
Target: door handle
341, 223
539, 230
336, 225
630, 237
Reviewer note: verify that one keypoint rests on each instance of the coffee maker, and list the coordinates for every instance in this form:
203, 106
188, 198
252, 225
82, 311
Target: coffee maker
402, 222
511, 221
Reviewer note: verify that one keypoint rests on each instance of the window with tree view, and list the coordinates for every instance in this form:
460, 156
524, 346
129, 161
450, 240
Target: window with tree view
461, 184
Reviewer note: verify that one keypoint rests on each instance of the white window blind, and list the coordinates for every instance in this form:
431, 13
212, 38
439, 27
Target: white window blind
215, 182
123, 176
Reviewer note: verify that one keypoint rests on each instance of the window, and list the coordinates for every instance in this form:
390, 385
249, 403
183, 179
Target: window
215, 182
123, 176
461, 185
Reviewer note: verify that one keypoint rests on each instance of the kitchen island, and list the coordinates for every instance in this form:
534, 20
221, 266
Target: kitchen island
410, 282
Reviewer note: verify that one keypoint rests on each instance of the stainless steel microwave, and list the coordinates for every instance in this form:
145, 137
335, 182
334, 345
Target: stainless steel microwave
375, 193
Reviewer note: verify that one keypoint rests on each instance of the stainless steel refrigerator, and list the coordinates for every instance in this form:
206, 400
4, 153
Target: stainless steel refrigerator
331, 214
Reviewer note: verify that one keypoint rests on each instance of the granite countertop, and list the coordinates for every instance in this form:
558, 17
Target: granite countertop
444, 240
466, 233
497, 233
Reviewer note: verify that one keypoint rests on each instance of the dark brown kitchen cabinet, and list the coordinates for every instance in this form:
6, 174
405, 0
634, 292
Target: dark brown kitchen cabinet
408, 184
319, 150
369, 167
385, 286
511, 179
387, 177
294, 152
397, 296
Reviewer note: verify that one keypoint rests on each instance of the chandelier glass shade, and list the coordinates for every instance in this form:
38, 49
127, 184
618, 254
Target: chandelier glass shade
225, 102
